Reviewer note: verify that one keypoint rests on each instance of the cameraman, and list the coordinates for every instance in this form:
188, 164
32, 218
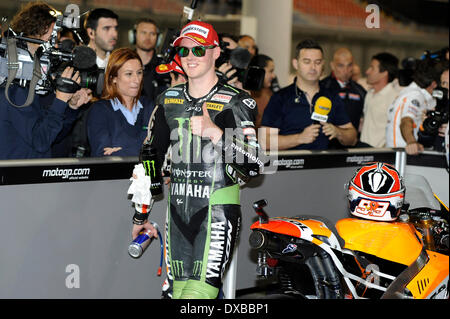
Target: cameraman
406, 112
224, 70
433, 129
28, 132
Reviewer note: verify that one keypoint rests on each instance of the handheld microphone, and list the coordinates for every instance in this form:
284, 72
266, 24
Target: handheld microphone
321, 110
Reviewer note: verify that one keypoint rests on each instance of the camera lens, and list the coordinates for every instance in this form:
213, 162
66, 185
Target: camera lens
431, 124
93, 80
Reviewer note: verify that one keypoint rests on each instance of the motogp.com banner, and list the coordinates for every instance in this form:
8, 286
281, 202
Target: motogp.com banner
60, 173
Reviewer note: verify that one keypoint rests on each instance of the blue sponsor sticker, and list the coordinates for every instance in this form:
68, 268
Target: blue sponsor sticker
289, 249
172, 93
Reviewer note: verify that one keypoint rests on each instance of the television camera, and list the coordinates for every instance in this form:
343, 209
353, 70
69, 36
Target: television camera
41, 73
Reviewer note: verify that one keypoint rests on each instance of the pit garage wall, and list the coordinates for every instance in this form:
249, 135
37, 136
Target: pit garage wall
66, 236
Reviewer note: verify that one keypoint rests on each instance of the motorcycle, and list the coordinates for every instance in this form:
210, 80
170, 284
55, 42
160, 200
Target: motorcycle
311, 258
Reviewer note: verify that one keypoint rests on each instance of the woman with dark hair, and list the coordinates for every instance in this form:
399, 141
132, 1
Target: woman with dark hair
263, 95
117, 124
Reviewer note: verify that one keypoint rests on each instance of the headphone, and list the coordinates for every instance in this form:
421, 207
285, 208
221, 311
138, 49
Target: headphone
132, 35
132, 32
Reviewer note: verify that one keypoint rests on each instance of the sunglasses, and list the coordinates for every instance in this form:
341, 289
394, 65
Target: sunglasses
198, 51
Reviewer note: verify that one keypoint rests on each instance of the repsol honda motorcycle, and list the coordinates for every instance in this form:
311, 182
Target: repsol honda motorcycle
354, 259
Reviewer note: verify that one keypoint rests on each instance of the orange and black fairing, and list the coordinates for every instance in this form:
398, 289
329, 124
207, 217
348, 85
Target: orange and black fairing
293, 227
309, 228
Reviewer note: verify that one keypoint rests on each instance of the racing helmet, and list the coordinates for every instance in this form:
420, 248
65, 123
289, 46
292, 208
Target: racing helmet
376, 192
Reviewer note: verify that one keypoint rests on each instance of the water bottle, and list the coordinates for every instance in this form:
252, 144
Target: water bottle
149, 160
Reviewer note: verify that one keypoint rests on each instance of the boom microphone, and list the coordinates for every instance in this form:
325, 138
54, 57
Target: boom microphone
67, 45
321, 110
84, 57
240, 58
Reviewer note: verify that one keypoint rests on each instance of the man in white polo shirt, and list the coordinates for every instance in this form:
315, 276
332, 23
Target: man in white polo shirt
381, 76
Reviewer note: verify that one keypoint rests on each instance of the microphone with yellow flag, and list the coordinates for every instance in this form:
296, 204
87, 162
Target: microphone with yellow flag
321, 110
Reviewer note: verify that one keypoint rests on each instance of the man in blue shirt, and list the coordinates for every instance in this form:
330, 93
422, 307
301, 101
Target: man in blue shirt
287, 122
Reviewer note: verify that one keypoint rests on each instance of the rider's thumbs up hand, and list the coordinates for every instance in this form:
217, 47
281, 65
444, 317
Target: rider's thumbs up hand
205, 111
203, 126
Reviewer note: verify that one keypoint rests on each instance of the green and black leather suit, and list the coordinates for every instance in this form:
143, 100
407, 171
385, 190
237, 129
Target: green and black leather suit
204, 206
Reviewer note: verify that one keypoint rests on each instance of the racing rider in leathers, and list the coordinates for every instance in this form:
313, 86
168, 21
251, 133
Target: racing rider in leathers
208, 127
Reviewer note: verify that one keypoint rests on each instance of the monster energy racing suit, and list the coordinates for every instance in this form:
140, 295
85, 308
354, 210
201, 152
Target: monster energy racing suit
204, 207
